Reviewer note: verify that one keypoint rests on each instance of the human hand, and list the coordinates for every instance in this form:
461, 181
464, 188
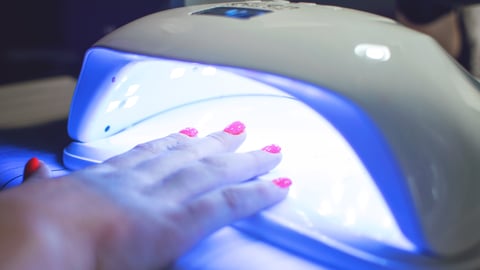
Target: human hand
141, 209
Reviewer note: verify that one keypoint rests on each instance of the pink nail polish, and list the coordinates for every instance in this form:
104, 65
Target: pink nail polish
235, 128
282, 182
273, 148
190, 132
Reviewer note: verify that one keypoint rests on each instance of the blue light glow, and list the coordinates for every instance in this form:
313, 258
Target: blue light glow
340, 200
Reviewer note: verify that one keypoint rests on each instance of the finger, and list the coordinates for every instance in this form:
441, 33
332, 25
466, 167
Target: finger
215, 171
172, 161
148, 150
224, 206
179, 148
35, 169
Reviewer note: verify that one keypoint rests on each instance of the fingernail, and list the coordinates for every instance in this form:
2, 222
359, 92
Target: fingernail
190, 132
273, 148
31, 167
235, 128
282, 182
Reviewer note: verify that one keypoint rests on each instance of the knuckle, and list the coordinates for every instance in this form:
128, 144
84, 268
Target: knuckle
261, 163
179, 142
148, 147
216, 166
232, 200
171, 142
187, 150
215, 162
176, 139
219, 139
199, 209
263, 191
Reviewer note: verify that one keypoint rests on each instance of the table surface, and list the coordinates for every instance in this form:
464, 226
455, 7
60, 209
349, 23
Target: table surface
33, 123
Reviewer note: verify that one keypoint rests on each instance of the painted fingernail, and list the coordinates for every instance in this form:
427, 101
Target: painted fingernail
31, 167
282, 182
190, 132
273, 148
235, 128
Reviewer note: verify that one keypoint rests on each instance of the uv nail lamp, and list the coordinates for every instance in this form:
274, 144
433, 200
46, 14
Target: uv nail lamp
379, 127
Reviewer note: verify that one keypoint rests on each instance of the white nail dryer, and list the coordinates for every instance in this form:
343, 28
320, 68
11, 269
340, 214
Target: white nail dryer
380, 129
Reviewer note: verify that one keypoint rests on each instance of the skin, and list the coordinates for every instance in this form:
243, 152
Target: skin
139, 210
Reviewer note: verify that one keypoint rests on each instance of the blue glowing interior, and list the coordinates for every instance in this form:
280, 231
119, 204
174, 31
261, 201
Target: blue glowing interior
349, 193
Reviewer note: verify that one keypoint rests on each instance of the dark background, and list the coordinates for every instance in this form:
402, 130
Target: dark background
48, 38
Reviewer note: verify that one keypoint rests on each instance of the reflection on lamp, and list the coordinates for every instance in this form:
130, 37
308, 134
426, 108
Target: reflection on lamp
132, 90
209, 71
373, 51
113, 105
130, 102
177, 73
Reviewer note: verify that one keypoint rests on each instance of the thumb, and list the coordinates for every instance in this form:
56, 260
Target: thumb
35, 169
